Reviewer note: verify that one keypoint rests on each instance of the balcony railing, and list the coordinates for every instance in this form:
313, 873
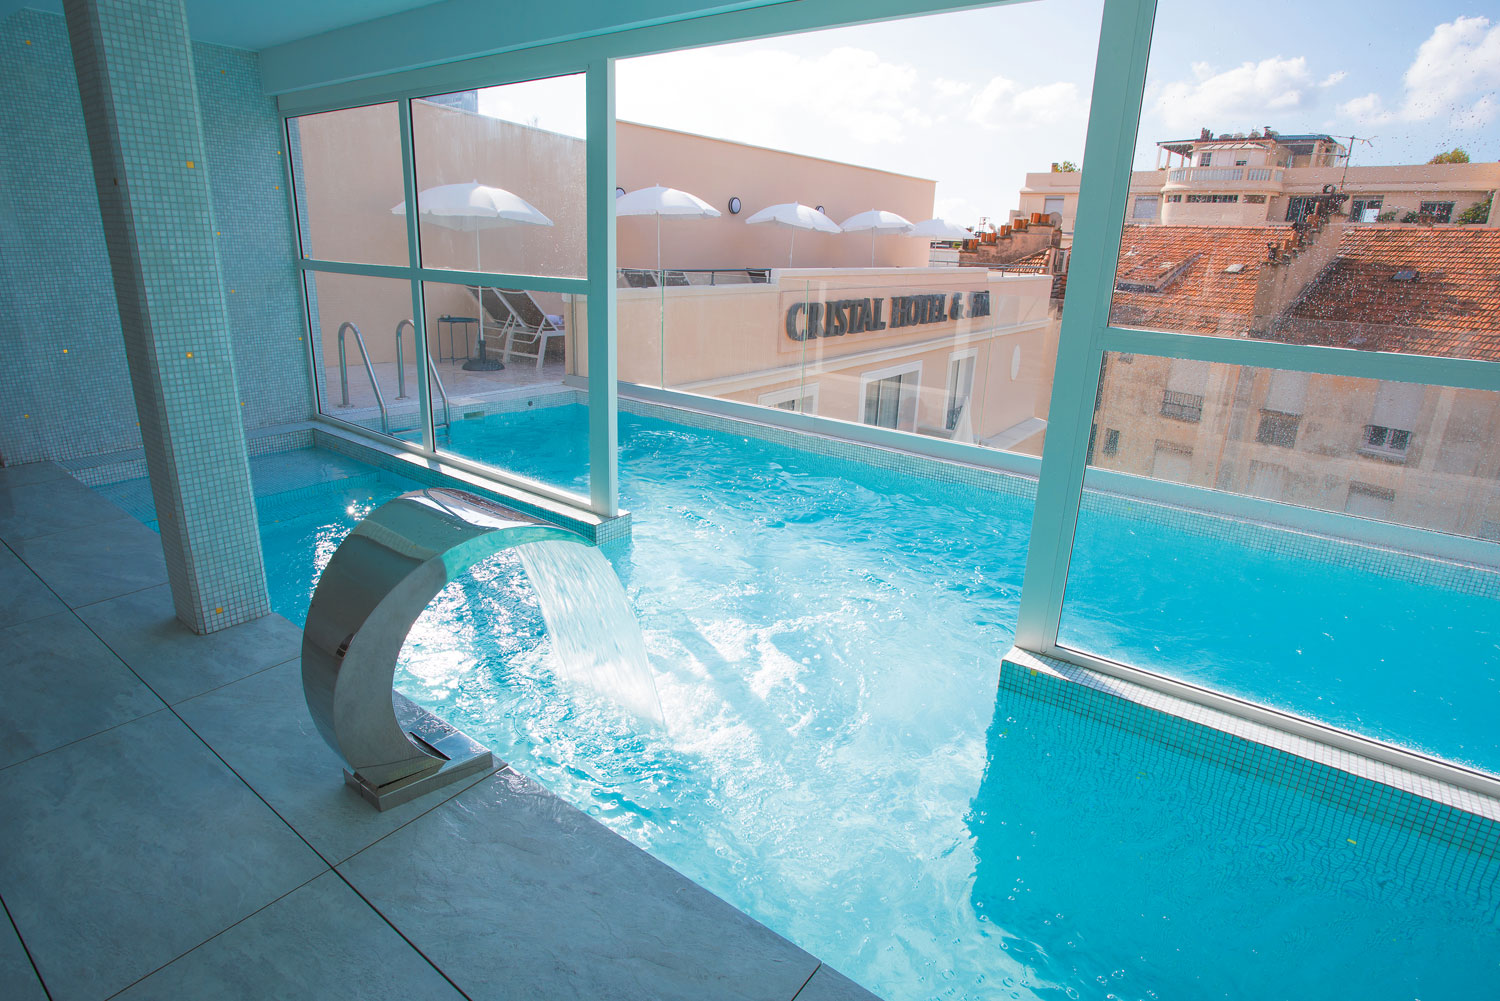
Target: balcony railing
1222, 174
1182, 406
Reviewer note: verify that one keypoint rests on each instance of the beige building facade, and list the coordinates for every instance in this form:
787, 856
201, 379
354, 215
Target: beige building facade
1259, 179
757, 314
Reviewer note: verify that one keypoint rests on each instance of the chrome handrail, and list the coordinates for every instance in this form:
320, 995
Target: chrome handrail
447, 412
401, 357
385, 418
431, 368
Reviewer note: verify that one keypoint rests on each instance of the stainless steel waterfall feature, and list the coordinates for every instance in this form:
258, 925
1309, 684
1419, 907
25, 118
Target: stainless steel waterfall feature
375, 586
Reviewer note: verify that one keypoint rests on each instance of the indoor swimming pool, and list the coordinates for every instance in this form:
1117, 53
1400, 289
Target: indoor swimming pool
838, 763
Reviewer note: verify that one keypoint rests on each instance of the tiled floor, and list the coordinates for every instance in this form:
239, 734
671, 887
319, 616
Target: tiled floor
174, 827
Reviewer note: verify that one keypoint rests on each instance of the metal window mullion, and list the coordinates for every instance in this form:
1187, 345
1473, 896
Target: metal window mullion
355, 268
603, 358
545, 283
1114, 116
311, 322
414, 257
501, 279
1462, 373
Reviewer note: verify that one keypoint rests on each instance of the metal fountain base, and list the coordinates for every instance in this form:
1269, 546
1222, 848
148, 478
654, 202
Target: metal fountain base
460, 754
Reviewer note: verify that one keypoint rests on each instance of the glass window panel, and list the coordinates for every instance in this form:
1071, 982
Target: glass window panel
498, 393
365, 376
346, 174
832, 309
1179, 568
501, 175
1290, 210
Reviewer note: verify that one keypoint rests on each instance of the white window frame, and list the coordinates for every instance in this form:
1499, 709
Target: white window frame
955, 356
806, 396
866, 379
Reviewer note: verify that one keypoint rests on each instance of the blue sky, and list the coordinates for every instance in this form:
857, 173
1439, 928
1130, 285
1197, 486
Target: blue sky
976, 99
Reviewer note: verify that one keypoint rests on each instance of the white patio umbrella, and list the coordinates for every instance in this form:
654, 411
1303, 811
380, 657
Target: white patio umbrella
876, 221
659, 201
940, 229
470, 208
794, 216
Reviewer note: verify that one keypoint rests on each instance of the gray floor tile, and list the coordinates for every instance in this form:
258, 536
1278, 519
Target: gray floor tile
17, 978
175, 661
261, 727
829, 984
30, 472
28, 510
515, 894
320, 941
96, 562
126, 850
23, 596
59, 684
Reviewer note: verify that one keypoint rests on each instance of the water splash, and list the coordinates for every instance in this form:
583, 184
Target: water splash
596, 640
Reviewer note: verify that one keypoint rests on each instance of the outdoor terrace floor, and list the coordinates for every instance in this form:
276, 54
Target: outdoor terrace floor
174, 827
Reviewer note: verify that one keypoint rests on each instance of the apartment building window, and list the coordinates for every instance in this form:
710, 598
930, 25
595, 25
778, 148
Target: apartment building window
1052, 203
1298, 208
1174, 198
1111, 441
1386, 442
1146, 207
1213, 198
1436, 211
1365, 209
1267, 479
1366, 501
1255, 199
1281, 414
1172, 461
1241, 163
800, 401
960, 387
1183, 398
1389, 433
890, 397
1277, 429
1205, 159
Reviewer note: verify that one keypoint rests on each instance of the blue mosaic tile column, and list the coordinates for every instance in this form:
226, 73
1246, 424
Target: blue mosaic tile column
140, 105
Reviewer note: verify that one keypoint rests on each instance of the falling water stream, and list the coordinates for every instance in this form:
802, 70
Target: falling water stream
596, 640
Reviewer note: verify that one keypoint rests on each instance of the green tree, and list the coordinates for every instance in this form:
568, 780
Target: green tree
1066, 167
1454, 155
1477, 214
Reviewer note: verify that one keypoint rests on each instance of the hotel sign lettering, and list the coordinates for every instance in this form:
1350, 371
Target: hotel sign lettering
837, 317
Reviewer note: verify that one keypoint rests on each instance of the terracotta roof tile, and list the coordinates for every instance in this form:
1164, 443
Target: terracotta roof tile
1451, 308
1175, 277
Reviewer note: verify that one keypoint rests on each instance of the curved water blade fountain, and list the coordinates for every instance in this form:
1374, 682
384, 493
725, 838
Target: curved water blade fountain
379, 581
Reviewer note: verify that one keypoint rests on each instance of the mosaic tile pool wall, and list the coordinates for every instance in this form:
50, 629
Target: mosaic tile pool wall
65, 391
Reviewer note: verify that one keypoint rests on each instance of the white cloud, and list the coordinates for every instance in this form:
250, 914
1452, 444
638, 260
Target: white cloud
1367, 110
1237, 99
772, 97
949, 89
1333, 78
1456, 72
1003, 103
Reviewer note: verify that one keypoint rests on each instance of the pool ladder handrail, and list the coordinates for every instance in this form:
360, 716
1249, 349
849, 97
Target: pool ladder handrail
385, 417
436, 377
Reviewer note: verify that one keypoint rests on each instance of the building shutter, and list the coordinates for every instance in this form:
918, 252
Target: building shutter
1189, 377
1288, 392
1397, 405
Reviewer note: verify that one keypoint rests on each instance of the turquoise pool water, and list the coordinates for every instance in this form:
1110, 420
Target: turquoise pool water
837, 762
